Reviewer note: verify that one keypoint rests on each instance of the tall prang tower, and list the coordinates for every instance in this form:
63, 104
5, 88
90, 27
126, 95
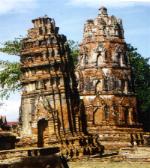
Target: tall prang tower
49, 113
104, 75
49, 102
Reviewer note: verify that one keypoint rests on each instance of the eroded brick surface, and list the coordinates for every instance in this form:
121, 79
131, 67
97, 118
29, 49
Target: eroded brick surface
105, 83
47, 106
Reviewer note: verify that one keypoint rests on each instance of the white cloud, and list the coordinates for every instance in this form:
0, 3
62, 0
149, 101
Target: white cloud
113, 3
10, 107
18, 6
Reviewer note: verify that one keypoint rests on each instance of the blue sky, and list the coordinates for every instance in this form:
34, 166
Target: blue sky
70, 16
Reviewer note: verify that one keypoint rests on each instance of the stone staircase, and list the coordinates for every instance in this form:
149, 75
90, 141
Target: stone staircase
137, 154
113, 137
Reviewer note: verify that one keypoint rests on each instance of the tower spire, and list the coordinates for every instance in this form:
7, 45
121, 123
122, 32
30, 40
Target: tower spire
103, 11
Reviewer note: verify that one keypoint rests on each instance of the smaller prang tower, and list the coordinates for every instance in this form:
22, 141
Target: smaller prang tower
104, 76
49, 101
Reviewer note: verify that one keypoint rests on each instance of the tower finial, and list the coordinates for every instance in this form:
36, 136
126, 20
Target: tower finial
103, 11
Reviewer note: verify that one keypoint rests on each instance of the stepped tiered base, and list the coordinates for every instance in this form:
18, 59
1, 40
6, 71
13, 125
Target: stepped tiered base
136, 154
115, 137
70, 146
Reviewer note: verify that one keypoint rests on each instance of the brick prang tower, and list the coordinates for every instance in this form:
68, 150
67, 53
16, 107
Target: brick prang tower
104, 78
48, 106
50, 102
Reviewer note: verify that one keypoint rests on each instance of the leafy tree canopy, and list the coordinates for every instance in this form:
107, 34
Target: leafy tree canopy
74, 47
11, 47
10, 71
141, 76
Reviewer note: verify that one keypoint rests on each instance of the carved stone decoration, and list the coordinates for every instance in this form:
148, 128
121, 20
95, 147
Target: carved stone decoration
99, 86
83, 60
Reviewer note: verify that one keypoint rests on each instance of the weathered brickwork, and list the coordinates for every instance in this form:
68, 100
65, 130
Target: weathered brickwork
50, 102
78, 108
47, 107
104, 73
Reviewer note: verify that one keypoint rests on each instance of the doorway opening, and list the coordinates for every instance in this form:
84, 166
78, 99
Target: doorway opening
42, 125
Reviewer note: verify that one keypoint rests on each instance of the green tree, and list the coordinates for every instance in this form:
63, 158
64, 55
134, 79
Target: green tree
141, 78
11, 47
10, 71
74, 49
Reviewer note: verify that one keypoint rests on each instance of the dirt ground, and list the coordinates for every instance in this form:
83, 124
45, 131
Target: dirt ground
55, 162
108, 164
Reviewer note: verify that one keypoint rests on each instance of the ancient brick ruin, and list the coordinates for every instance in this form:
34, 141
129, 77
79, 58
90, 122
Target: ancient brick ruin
74, 106
48, 84
104, 73
104, 80
50, 101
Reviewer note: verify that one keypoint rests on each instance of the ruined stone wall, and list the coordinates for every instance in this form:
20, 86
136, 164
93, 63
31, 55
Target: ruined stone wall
104, 74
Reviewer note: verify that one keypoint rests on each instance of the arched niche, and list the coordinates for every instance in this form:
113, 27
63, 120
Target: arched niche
99, 86
79, 80
117, 55
128, 110
98, 113
98, 116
